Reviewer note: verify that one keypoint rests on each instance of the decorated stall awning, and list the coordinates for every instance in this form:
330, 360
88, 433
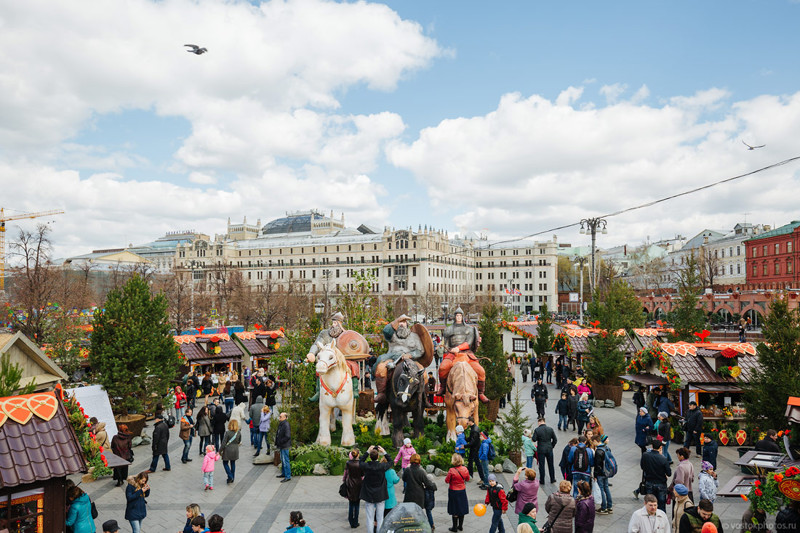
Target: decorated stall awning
686, 348
645, 379
208, 349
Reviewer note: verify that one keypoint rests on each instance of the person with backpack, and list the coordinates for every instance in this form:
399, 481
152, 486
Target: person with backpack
581, 459
563, 464
605, 466
496, 498
546, 440
485, 454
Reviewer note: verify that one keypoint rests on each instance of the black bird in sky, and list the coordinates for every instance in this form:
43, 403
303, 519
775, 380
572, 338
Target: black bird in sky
748, 146
195, 49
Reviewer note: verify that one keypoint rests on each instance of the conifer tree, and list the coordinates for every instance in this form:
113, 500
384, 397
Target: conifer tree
133, 355
491, 356
775, 379
616, 307
544, 333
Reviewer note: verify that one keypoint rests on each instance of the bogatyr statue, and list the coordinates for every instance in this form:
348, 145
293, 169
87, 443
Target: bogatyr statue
403, 342
333, 335
461, 340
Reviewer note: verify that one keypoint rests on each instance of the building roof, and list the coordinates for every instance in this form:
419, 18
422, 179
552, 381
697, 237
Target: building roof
47, 373
694, 369
32, 448
783, 230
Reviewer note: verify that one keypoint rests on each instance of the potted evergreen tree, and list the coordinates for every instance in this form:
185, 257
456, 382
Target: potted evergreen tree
512, 423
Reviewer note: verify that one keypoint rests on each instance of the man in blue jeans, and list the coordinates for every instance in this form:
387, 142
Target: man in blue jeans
601, 447
496, 498
581, 459
283, 441
160, 443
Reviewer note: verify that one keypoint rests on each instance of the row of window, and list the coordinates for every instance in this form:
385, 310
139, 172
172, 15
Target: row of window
787, 247
490, 253
776, 268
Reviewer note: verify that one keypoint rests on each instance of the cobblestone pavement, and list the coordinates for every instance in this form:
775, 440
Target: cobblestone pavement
257, 502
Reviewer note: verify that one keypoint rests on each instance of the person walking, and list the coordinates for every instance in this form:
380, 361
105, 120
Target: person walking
430, 499
572, 400
186, 433
121, 447
135, 504
695, 518
415, 482
79, 516
643, 424
539, 396
181, 402
227, 397
584, 508
664, 432
457, 504
219, 422
548, 368
192, 512
581, 461
694, 427
239, 394
600, 453
649, 519
564, 464
283, 441
210, 459
230, 449
373, 487
255, 418
263, 430
584, 411
496, 499
527, 490
656, 471
707, 482
524, 368
684, 472
474, 446
203, 426
352, 483
483, 455
160, 444
560, 508
710, 449
297, 523
680, 504
546, 440
562, 410
392, 479
528, 447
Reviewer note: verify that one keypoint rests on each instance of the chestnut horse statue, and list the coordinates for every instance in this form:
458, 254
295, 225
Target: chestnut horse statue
337, 391
461, 396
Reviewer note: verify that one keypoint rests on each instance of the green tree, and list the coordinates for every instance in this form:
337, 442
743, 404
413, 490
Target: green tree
605, 361
616, 307
133, 354
360, 309
775, 378
512, 423
10, 377
490, 353
544, 333
686, 317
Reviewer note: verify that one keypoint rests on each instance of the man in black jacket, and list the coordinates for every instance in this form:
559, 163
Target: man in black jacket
694, 427
373, 486
160, 443
474, 445
539, 395
546, 440
656, 471
283, 441
768, 443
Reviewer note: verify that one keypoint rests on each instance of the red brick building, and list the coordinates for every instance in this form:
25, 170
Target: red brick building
773, 258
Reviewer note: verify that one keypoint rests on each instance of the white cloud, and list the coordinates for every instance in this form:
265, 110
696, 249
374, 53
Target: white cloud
202, 178
534, 164
613, 92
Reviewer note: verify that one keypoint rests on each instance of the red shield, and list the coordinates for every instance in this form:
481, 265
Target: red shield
723, 437
741, 437
43, 405
17, 410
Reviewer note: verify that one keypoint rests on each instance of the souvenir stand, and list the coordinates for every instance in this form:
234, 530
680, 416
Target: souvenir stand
258, 347
210, 352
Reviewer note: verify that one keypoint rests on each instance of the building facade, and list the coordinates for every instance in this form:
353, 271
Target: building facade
772, 258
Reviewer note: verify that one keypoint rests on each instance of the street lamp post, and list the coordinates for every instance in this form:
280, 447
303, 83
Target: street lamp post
581, 262
590, 226
192, 264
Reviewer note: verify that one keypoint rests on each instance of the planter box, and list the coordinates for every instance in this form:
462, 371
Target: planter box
608, 392
492, 410
135, 423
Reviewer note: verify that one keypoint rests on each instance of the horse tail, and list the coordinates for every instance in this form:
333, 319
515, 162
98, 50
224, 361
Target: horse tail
380, 410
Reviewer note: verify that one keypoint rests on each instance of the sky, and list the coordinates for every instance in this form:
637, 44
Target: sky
502, 118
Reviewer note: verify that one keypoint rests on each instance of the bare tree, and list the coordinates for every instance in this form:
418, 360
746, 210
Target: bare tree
647, 271
708, 264
178, 291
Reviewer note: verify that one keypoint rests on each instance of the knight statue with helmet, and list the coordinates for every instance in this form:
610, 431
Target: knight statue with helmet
339, 336
461, 340
404, 342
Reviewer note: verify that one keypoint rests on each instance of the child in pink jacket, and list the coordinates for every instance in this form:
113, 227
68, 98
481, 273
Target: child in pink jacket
208, 466
405, 453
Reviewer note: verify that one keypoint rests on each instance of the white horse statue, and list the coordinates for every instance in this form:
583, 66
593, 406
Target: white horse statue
336, 386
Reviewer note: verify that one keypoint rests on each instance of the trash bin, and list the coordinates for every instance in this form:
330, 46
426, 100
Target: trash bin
743, 450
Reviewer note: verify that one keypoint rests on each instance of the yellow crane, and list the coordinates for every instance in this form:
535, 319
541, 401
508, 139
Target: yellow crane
3, 220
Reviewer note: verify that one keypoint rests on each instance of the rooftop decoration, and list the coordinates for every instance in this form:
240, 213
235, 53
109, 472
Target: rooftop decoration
561, 343
642, 360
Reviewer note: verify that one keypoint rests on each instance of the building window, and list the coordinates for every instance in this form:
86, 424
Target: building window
789, 266
777, 248
755, 270
789, 247
777, 268
764, 250
520, 345
738, 250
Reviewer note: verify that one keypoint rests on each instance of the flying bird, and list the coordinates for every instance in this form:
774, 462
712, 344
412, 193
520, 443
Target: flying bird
195, 49
753, 147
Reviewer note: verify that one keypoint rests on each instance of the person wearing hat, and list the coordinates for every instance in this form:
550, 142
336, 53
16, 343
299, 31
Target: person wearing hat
160, 444
110, 526
680, 504
461, 440
461, 339
701, 518
707, 482
643, 425
326, 336
496, 498
528, 516
403, 343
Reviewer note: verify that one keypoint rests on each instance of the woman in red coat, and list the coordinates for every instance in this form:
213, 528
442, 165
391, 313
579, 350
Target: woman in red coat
180, 403
457, 504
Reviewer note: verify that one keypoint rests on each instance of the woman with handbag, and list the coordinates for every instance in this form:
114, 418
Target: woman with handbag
230, 449
525, 491
353, 475
560, 508
457, 503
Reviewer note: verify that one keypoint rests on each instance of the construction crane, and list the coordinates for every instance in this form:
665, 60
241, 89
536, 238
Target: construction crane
3, 220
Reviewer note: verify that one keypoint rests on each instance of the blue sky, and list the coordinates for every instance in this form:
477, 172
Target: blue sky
508, 118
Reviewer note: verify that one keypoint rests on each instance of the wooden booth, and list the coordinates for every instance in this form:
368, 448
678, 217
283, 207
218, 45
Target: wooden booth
38, 450
36, 366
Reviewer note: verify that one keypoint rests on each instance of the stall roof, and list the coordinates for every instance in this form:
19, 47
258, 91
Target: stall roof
32, 448
725, 387
693, 369
645, 379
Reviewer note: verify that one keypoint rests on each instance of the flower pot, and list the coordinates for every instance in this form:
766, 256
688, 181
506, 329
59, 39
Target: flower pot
608, 392
492, 410
515, 457
88, 477
135, 423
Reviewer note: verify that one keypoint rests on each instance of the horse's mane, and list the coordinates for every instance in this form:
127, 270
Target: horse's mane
341, 362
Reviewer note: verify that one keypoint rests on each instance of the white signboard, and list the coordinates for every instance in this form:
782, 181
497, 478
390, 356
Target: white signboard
573, 297
94, 401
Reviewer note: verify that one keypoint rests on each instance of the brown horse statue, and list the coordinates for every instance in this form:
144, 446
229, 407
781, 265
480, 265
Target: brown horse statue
461, 396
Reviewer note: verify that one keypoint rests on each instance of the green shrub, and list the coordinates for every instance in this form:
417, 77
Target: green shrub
443, 454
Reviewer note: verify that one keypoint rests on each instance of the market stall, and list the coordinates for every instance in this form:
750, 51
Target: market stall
210, 352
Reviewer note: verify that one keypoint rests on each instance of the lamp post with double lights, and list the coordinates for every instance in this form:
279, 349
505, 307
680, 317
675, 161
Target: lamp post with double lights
192, 265
581, 262
589, 226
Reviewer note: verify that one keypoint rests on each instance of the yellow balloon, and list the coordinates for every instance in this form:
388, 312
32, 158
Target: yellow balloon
626, 386
479, 509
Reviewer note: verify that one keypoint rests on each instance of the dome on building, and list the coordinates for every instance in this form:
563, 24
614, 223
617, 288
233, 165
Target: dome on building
289, 224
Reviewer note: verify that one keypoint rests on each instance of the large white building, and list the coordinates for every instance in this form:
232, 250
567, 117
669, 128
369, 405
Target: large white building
420, 269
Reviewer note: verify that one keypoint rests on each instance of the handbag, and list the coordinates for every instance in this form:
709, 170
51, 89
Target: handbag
343, 490
512, 495
548, 526
95, 514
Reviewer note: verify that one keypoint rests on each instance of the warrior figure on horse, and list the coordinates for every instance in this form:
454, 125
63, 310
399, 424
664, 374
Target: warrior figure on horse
460, 343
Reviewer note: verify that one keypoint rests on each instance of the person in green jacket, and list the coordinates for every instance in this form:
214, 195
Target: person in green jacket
79, 516
391, 480
528, 447
528, 516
